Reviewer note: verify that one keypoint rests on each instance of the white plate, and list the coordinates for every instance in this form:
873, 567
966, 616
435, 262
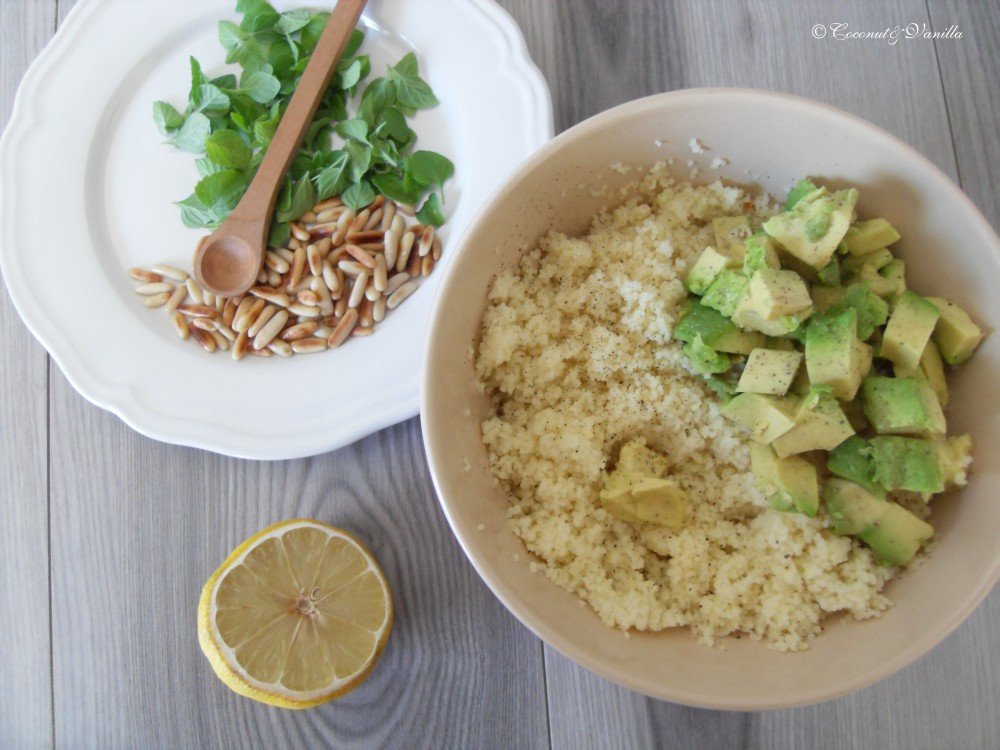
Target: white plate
87, 190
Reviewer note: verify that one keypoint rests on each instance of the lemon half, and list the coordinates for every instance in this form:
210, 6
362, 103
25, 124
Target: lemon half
297, 615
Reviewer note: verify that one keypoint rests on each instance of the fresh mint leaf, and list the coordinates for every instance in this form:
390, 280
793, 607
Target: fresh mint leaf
261, 87
351, 75
332, 179
360, 160
391, 123
311, 32
280, 233
292, 20
411, 89
354, 129
167, 118
206, 166
358, 195
430, 212
212, 101
230, 35
257, 15
196, 214
391, 186
192, 134
427, 168
265, 126
197, 77
298, 200
222, 190
227, 149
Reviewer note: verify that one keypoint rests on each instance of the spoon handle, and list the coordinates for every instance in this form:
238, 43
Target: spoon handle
257, 203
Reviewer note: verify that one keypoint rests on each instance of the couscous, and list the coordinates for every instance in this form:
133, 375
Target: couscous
578, 357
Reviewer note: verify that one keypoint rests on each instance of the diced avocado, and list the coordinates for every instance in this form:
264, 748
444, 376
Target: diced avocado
820, 424
906, 463
725, 292
704, 359
769, 371
872, 311
954, 457
931, 369
766, 417
636, 491
830, 273
760, 253
853, 459
788, 483
868, 236
901, 406
730, 233
896, 537
888, 282
637, 458
909, 329
802, 188
876, 259
715, 329
851, 508
956, 335
824, 296
893, 533
813, 228
894, 274
776, 297
708, 266
834, 355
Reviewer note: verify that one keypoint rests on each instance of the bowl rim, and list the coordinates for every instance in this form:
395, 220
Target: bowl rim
510, 598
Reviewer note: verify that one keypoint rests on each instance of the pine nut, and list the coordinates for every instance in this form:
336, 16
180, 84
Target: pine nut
343, 329
397, 297
267, 332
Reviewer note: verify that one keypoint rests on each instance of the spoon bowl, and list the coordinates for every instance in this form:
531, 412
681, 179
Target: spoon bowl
228, 261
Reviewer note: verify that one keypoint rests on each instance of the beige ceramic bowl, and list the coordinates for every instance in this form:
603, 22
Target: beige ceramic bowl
769, 140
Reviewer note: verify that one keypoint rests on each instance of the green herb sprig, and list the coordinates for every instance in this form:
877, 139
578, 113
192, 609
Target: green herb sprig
230, 120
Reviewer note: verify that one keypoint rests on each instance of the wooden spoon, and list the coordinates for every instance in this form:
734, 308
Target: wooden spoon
228, 260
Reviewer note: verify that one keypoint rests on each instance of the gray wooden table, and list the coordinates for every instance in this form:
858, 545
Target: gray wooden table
108, 536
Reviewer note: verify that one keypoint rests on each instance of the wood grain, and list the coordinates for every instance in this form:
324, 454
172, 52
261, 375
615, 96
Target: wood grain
109, 535
26, 708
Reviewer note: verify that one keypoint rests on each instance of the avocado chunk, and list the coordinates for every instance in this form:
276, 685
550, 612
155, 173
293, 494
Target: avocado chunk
931, 369
813, 228
766, 417
775, 302
802, 188
909, 329
637, 492
869, 236
851, 507
876, 259
725, 292
893, 533
896, 537
787, 483
888, 282
955, 334
820, 424
853, 459
907, 463
769, 371
834, 354
760, 253
715, 329
872, 311
730, 234
705, 270
954, 457
703, 359
901, 406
